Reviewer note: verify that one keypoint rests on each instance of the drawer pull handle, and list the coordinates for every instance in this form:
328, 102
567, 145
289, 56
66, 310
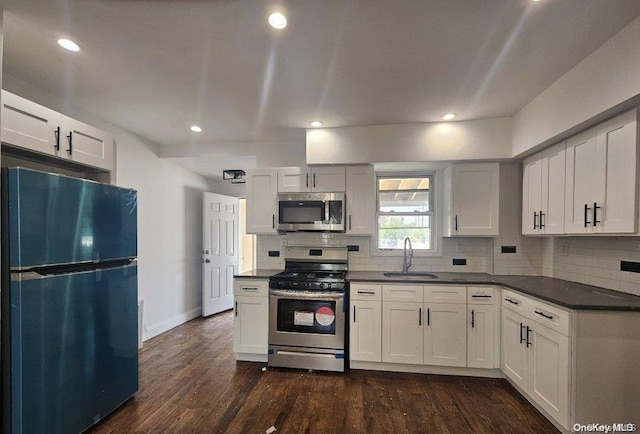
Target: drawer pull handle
480, 296
528, 342
367, 292
248, 288
544, 315
511, 301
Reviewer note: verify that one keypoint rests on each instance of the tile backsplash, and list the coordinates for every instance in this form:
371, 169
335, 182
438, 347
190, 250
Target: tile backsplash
476, 251
593, 260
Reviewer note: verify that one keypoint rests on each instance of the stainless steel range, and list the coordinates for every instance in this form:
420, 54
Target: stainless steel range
307, 310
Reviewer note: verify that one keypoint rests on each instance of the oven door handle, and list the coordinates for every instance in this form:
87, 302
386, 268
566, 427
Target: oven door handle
307, 295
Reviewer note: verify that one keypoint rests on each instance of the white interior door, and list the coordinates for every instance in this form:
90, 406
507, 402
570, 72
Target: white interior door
219, 251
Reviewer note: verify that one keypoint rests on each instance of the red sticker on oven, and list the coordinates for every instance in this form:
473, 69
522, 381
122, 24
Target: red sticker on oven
325, 316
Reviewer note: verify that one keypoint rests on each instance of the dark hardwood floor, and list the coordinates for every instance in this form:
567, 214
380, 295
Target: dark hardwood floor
190, 382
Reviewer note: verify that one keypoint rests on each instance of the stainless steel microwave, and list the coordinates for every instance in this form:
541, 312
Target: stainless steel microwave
324, 212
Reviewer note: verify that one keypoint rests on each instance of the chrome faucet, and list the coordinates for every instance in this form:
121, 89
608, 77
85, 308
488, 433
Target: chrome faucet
408, 255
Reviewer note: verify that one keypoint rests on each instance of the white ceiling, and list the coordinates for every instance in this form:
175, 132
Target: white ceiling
155, 67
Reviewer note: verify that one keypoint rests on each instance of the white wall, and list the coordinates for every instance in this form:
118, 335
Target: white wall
169, 234
169, 218
446, 141
590, 91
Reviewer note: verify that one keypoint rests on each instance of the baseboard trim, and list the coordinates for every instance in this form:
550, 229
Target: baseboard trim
246, 357
424, 369
165, 326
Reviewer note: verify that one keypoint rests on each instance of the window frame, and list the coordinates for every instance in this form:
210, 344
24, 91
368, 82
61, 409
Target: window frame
435, 213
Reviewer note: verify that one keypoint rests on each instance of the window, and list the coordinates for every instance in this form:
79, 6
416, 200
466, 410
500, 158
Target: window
405, 209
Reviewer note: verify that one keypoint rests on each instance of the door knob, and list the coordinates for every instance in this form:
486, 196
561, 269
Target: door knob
208, 261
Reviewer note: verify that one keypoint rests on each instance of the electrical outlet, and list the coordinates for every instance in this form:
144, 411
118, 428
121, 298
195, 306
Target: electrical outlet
283, 244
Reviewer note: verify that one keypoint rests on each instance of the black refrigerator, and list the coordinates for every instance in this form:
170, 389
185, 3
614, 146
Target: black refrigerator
69, 301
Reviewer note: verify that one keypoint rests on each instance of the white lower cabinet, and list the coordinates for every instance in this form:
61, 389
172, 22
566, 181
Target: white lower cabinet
402, 332
483, 329
365, 331
536, 357
445, 334
251, 318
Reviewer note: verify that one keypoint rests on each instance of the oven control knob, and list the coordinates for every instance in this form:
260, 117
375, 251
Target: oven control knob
307, 284
329, 285
321, 285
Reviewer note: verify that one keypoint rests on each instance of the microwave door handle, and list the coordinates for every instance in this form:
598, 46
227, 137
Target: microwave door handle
326, 211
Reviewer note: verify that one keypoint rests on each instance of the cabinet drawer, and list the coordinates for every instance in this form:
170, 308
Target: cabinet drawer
251, 287
413, 293
445, 294
481, 294
365, 291
515, 302
549, 316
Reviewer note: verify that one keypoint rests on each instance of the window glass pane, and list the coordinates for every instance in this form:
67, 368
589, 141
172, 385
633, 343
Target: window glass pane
404, 201
392, 230
399, 184
404, 194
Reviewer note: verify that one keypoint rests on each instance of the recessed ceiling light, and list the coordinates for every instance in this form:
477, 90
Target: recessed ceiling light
277, 20
68, 44
196, 129
315, 124
448, 116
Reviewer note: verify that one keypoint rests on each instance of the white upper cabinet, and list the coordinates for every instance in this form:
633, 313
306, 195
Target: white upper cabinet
305, 179
30, 126
601, 178
543, 192
472, 199
361, 200
262, 195
87, 145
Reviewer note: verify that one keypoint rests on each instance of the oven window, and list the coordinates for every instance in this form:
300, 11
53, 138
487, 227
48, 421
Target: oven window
306, 316
308, 211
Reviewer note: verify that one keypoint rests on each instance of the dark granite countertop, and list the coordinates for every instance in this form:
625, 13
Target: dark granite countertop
564, 293
571, 295
260, 273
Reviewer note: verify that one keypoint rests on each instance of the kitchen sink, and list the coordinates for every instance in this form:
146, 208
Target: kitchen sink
411, 274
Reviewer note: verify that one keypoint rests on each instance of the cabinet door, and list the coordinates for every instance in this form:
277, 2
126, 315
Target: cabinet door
549, 371
328, 179
553, 180
445, 334
475, 202
361, 200
514, 350
531, 195
85, 144
616, 161
481, 336
262, 194
294, 179
582, 183
402, 340
251, 325
365, 333
28, 125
